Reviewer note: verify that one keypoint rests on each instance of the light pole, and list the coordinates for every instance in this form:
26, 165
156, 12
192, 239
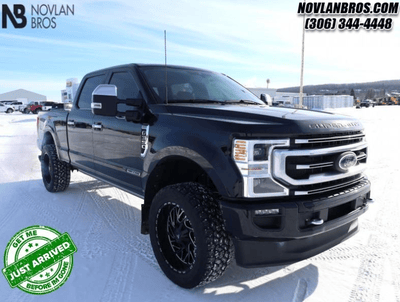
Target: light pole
302, 63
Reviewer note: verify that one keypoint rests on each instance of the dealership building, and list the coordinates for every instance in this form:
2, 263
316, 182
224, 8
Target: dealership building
23, 96
68, 94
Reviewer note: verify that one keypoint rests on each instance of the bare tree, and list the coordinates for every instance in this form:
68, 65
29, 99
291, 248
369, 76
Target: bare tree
370, 94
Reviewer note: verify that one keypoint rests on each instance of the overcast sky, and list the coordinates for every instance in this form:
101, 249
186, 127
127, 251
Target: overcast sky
250, 41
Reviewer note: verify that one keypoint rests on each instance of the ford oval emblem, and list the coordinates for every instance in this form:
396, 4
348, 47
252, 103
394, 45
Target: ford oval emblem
345, 161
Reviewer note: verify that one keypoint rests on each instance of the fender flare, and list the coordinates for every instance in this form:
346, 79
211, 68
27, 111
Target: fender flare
152, 160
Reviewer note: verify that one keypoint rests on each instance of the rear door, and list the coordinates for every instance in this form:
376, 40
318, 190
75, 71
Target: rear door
117, 142
79, 123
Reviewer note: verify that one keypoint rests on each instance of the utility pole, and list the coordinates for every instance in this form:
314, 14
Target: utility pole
302, 63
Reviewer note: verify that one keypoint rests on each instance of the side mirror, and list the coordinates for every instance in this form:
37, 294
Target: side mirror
104, 100
266, 99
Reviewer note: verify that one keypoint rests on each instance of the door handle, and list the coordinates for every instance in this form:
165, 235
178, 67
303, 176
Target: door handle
98, 126
71, 123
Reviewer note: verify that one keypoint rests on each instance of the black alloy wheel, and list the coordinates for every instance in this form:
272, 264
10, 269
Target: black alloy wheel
188, 235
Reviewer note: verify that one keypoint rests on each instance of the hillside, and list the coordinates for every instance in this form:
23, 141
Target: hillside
378, 88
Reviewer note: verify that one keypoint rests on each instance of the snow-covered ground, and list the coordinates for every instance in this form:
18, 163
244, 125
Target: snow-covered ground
115, 262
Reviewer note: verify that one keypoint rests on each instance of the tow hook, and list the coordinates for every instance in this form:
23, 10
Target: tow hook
370, 200
316, 222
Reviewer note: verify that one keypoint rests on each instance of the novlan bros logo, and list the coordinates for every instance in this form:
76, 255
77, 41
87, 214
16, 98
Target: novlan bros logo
43, 16
18, 13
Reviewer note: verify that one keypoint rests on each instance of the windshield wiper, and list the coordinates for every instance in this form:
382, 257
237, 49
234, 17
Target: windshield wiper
242, 102
202, 101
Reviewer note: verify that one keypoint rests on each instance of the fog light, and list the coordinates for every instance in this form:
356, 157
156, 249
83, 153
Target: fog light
266, 185
266, 212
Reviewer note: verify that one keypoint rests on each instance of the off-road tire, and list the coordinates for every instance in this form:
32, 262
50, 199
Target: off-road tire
9, 110
37, 111
56, 174
212, 249
26, 111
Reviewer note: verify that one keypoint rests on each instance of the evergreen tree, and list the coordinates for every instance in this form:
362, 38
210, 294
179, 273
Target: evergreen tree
353, 94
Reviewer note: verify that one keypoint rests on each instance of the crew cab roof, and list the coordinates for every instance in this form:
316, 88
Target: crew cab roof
134, 65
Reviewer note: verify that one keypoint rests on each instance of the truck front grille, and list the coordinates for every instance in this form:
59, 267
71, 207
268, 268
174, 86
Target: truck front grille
312, 170
302, 167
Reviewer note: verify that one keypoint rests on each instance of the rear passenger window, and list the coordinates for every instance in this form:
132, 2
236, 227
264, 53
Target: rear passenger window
85, 98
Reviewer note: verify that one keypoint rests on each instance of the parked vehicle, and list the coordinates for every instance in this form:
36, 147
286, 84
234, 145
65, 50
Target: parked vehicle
14, 104
6, 108
17, 105
394, 100
33, 107
367, 103
22, 108
46, 106
221, 173
8, 102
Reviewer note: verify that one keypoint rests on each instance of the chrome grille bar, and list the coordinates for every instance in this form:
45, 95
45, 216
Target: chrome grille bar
313, 166
329, 139
326, 164
329, 188
361, 156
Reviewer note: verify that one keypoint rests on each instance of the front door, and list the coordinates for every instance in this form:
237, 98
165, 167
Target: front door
117, 142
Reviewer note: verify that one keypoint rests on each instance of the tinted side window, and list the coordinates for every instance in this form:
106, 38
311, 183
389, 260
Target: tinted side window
126, 85
85, 98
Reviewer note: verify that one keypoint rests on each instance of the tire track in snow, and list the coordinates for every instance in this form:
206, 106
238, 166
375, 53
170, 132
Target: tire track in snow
379, 249
300, 292
14, 205
77, 212
342, 253
121, 278
120, 221
369, 279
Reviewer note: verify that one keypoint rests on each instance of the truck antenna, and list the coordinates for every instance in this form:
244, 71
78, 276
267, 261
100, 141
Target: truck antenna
166, 77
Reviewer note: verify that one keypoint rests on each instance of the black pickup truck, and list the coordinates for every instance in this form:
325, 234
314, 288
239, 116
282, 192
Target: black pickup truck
221, 173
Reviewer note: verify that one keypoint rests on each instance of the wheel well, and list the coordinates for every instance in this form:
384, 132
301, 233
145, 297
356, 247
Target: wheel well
48, 139
169, 171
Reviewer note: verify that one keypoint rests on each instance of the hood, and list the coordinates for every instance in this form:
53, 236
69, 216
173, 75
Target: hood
257, 120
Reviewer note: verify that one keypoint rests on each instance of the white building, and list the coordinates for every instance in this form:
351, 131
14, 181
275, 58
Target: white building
68, 94
277, 97
23, 96
322, 102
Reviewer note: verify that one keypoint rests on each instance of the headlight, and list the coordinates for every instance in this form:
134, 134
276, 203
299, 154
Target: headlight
253, 158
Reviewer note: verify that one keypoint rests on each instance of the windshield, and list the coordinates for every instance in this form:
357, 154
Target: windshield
196, 86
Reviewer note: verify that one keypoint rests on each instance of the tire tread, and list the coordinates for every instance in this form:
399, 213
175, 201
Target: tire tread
61, 171
219, 244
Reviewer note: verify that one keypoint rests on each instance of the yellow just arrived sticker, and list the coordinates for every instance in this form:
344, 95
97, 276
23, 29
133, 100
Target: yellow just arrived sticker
38, 259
